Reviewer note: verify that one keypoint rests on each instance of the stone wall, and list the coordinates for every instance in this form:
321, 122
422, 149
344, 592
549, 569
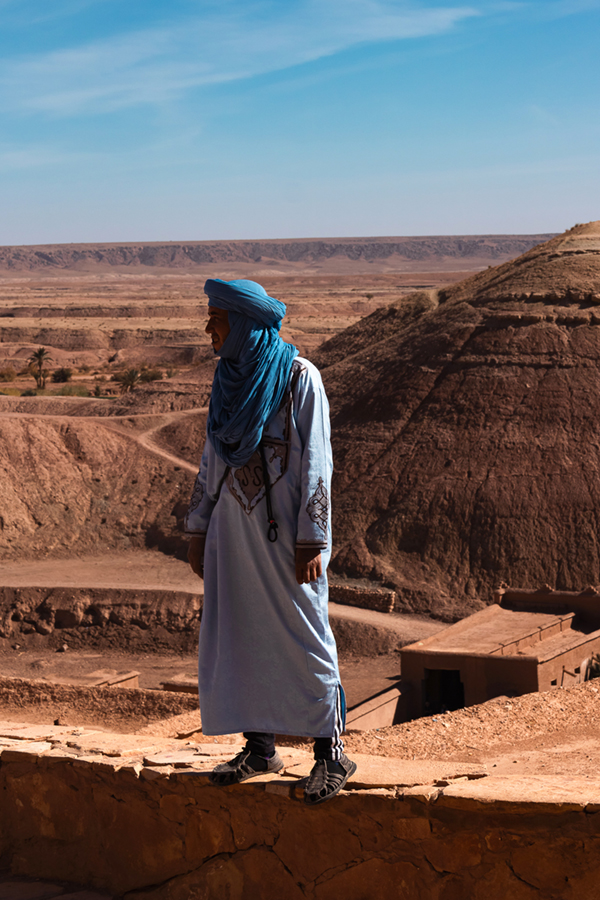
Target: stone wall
379, 599
127, 708
85, 615
131, 823
44, 610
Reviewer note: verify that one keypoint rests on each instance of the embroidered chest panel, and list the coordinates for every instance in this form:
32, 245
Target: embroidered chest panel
247, 484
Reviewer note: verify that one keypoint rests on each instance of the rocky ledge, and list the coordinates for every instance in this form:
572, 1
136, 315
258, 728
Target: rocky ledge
136, 816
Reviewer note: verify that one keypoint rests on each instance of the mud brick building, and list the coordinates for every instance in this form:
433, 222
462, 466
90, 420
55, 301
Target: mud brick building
527, 641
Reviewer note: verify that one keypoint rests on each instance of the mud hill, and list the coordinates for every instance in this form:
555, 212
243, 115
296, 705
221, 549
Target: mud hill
334, 255
466, 430
71, 485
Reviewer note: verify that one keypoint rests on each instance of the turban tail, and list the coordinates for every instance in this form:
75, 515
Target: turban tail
253, 372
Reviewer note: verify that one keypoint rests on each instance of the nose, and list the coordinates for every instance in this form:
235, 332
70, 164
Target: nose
209, 327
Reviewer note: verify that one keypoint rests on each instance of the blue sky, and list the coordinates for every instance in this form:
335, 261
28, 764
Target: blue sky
224, 119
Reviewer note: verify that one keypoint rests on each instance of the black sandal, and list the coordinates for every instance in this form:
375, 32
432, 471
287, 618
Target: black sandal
322, 784
241, 767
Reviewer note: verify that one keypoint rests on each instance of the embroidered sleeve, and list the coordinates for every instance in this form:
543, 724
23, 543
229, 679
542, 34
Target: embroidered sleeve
318, 506
311, 411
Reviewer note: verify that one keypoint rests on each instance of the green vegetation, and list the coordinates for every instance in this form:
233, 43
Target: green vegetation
38, 359
150, 374
129, 380
62, 375
73, 390
7, 374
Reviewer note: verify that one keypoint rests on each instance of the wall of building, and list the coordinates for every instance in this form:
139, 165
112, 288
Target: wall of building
483, 677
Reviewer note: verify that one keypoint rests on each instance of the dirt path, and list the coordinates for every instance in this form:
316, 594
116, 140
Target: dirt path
145, 439
141, 437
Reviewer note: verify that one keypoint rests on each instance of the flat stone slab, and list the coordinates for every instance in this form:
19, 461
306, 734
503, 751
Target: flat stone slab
381, 771
24, 732
556, 792
25, 748
118, 744
218, 749
184, 758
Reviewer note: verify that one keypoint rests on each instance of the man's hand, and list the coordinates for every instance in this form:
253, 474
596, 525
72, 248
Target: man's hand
196, 554
308, 564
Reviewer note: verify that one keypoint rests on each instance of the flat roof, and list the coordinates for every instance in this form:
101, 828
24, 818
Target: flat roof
506, 632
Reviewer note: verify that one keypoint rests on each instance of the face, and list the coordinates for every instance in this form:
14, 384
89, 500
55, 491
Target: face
217, 326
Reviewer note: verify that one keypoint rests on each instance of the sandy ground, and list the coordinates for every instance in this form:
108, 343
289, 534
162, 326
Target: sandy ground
128, 569
553, 733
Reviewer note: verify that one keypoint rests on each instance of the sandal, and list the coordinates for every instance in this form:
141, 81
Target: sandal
325, 780
242, 767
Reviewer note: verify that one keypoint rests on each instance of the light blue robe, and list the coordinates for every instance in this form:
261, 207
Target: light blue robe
267, 656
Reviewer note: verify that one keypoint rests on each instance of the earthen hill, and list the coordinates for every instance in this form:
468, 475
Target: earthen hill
466, 431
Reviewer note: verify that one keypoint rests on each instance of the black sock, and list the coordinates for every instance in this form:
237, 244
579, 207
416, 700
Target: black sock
260, 744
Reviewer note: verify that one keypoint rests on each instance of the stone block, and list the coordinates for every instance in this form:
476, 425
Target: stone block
228, 750
378, 878
254, 874
105, 744
256, 819
552, 866
25, 750
454, 853
413, 829
311, 841
180, 759
13, 889
534, 794
498, 884
86, 895
149, 774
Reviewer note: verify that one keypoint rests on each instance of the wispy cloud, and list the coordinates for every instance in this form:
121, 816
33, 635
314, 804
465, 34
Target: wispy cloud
236, 41
39, 156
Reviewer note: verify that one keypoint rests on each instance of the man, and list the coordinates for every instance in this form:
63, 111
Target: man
261, 538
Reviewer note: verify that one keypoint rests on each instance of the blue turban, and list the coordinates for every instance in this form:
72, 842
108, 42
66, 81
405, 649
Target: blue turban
253, 372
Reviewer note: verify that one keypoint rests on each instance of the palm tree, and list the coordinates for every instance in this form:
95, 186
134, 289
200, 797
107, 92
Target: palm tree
129, 379
37, 361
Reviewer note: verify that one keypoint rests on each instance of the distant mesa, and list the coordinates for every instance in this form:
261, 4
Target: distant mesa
329, 255
466, 430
